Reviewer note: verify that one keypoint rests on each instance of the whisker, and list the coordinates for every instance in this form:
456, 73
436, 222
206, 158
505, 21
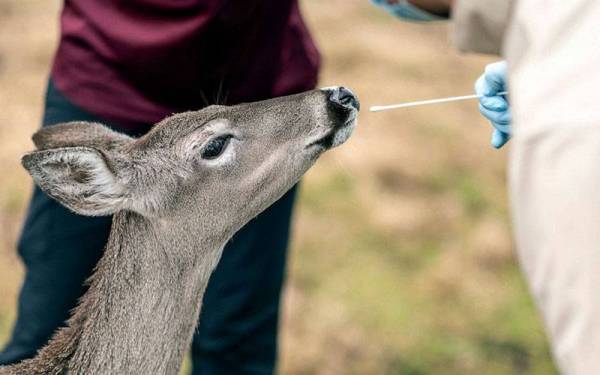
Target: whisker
222, 94
348, 172
341, 165
204, 98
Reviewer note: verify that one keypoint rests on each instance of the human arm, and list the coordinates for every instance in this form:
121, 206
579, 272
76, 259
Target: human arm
440, 8
416, 10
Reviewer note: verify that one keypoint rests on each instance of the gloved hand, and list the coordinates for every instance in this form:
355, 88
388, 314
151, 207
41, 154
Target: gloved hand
492, 106
404, 9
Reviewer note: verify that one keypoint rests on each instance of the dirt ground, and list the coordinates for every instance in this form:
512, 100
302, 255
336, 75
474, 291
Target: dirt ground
402, 261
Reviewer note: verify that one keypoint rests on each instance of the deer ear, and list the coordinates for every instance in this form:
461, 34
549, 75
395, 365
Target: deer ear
78, 177
79, 133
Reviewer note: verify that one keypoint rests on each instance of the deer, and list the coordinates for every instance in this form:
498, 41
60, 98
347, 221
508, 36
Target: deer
177, 195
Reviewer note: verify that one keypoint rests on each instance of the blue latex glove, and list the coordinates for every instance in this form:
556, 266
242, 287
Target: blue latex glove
404, 9
493, 106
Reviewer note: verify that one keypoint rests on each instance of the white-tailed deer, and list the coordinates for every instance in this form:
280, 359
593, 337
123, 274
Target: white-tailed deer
178, 194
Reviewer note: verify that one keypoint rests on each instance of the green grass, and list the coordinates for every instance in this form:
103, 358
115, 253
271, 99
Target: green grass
382, 280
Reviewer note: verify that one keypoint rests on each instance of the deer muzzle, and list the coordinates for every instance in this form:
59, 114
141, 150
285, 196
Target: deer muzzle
342, 107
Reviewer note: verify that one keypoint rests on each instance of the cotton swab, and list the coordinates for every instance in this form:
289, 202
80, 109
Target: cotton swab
378, 108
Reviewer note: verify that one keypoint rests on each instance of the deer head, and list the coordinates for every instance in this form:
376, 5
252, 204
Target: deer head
222, 164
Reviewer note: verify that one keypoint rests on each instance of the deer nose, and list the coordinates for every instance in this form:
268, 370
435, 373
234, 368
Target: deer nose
344, 98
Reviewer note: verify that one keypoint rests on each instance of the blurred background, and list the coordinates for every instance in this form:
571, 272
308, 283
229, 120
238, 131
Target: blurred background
402, 258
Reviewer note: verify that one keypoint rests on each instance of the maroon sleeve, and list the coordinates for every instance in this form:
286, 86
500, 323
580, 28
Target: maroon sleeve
137, 61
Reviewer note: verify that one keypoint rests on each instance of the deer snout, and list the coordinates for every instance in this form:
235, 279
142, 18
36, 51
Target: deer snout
343, 98
342, 110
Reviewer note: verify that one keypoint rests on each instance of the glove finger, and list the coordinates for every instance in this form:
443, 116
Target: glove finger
502, 127
481, 86
499, 138
494, 103
501, 118
495, 78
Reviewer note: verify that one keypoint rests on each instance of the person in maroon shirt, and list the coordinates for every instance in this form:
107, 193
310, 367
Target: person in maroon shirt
128, 64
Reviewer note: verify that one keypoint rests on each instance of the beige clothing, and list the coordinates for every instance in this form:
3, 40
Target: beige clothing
553, 53
480, 25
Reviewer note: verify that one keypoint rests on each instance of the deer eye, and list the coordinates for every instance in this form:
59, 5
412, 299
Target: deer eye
215, 147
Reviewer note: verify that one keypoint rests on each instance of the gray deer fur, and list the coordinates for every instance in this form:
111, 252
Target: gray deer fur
173, 213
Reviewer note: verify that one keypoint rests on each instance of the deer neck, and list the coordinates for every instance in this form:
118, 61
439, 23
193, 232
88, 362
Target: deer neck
140, 312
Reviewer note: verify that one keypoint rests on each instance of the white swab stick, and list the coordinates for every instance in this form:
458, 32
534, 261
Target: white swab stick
377, 108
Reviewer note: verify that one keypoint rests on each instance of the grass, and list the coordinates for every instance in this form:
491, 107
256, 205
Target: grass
402, 261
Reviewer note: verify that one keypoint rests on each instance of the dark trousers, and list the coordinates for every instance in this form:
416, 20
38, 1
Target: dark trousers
237, 333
